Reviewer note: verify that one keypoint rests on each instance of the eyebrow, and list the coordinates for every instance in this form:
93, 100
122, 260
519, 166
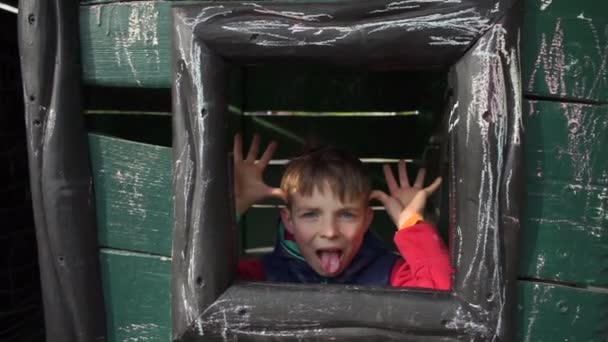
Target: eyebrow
307, 209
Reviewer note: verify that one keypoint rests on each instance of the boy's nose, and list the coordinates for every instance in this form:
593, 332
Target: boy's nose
330, 230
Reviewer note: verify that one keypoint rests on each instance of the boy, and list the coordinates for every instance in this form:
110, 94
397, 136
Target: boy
324, 235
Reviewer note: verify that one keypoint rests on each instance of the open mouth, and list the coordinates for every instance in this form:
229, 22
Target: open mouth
330, 259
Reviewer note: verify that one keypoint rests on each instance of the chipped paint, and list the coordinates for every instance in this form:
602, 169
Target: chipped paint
410, 5
544, 4
464, 320
131, 191
453, 122
143, 332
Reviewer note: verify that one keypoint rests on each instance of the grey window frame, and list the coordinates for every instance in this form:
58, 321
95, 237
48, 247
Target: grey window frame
476, 40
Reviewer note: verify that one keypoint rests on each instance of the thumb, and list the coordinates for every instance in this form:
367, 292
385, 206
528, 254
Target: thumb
380, 196
433, 187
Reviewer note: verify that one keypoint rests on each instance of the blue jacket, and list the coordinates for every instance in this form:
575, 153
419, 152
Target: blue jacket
371, 266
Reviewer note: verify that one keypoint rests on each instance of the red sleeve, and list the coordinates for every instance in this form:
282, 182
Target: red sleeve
427, 260
250, 270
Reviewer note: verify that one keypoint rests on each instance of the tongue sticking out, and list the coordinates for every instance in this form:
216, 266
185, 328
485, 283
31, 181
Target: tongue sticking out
330, 261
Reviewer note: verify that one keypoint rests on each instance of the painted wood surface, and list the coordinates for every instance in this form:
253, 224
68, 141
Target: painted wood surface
133, 193
137, 288
552, 313
137, 296
565, 227
565, 49
126, 44
564, 46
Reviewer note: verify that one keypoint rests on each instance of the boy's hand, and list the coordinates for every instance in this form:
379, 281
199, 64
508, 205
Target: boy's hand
405, 200
249, 186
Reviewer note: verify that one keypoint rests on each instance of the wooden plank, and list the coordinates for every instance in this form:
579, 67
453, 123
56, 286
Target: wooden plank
133, 193
137, 295
126, 44
565, 233
565, 49
565, 221
566, 142
550, 313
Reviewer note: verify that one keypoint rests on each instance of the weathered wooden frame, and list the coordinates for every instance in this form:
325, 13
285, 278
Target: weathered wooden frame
476, 40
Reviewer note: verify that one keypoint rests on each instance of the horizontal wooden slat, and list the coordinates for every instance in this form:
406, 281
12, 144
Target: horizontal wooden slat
137, 293
565, 221
566, 142
550, 313
133, 193
565, 233
564, 49
137, 296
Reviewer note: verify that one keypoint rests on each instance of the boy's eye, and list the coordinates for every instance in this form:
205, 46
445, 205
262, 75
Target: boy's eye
309, 214
347, 215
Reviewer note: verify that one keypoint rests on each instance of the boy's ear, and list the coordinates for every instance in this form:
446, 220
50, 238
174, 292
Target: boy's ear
286, 218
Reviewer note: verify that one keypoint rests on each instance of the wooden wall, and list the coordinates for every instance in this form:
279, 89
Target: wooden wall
563, 288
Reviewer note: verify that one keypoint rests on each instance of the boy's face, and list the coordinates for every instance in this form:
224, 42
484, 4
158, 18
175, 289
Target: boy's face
328, 231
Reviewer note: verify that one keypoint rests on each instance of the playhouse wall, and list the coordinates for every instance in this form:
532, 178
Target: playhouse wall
563, 287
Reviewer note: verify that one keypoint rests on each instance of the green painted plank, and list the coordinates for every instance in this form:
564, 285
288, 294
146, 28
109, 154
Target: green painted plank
126, 44
564, 234
565, 220
133, 193
565, 49
137, 296
552, 313
566, 142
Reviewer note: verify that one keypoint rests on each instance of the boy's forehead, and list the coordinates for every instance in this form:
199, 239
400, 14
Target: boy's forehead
325, 197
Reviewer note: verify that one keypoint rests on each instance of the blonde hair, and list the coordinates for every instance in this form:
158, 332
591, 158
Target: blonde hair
345, 174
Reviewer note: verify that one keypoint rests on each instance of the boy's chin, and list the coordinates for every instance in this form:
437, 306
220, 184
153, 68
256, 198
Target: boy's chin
322, 273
